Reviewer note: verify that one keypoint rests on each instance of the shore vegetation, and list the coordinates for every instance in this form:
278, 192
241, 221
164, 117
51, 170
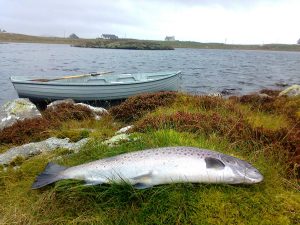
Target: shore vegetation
264, 131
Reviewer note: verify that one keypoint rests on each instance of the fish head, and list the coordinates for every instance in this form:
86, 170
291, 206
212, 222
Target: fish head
243, 172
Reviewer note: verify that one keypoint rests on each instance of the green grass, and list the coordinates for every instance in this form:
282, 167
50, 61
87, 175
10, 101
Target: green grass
274, 201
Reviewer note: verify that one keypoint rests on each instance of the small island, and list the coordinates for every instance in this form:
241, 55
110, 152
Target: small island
123, 44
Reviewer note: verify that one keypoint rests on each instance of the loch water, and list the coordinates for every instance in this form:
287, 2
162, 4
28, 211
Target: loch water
203, 70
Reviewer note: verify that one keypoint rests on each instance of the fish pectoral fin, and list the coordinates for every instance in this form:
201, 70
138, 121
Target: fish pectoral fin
213, 163
142, 186
143, 178
143, 181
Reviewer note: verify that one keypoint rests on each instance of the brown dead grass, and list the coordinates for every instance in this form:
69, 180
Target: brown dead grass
37, 129
135, 107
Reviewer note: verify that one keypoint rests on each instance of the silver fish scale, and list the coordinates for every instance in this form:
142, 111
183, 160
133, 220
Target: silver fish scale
156, 153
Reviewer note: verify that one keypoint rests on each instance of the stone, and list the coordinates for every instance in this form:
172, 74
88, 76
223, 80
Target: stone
291, 91
58, 102
28, 150
95, 110
116, 139
18, 109
124, 129
263, 95
215, 94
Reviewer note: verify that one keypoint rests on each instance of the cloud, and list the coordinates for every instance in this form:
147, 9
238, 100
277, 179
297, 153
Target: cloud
205, 21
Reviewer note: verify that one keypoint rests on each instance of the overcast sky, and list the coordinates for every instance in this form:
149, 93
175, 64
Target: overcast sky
239, 22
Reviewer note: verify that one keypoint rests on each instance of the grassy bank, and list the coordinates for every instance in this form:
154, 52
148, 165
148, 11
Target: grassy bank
263, 131
141, 44
22, 38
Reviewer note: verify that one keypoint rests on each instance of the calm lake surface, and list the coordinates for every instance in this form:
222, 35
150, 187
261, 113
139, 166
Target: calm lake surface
203, 70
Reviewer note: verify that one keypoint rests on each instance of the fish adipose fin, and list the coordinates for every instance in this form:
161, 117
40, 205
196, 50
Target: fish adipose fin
213, 163
50, 175
143, 181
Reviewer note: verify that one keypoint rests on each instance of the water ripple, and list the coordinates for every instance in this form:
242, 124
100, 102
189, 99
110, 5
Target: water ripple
204, 70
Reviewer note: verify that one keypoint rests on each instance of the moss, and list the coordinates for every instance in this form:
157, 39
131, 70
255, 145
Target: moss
17, 161
272, 122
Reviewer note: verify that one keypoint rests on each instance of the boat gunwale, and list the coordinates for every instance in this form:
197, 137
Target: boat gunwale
90, 84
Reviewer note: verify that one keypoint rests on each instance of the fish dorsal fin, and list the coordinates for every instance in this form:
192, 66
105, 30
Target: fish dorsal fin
143, 181
213, 163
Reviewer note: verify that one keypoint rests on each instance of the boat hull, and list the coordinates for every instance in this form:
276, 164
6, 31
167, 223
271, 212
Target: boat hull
93, 92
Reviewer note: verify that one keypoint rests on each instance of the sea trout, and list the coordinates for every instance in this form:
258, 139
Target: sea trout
147, 168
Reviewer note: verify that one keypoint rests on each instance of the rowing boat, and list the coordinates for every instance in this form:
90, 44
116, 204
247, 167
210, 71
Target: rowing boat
93, 87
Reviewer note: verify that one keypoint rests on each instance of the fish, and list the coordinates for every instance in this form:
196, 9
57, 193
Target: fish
147, 168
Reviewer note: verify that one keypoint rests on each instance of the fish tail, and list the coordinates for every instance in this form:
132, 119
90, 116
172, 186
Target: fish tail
50, 175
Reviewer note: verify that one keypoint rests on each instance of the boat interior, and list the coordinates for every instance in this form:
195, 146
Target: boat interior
115, 78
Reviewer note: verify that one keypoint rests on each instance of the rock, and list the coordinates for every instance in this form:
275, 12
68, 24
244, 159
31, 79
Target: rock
263, 95
293, 90
58, 102
95, 110
281, 84
215, 94
228, 91
124, 129
35, 148
18, 109
116, 139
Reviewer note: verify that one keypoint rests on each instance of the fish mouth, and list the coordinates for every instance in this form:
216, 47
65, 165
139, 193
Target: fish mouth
250, 180
255, 178
252, 177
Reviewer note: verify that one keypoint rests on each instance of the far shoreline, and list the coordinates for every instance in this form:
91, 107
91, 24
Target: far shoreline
21, 38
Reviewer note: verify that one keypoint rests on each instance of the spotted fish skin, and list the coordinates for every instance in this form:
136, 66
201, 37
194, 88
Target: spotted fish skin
152, 167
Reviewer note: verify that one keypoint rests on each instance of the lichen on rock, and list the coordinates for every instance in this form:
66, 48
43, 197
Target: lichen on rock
293, 90
18, 109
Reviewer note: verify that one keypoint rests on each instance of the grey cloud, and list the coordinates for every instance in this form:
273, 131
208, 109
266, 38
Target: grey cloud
40, 16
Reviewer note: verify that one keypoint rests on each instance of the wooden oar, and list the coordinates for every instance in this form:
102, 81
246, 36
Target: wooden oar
71, 77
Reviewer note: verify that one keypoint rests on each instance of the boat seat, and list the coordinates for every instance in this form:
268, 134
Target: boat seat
101, 80
126, 79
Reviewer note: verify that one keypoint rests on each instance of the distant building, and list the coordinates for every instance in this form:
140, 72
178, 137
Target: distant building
109, 36
73, 36
298, 42
170, 38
